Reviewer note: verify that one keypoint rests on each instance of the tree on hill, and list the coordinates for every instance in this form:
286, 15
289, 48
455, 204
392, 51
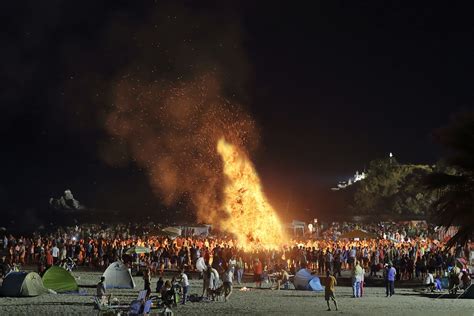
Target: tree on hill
393, 188
453, 182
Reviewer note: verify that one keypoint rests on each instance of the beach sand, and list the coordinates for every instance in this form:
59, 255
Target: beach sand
252, 302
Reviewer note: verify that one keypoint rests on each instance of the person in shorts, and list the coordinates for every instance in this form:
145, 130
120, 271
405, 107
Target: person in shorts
257, 273
228, 279
330, 289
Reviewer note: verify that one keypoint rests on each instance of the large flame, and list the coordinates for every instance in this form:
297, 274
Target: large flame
251, 218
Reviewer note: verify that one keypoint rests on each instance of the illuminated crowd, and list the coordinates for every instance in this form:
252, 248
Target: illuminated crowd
413, 250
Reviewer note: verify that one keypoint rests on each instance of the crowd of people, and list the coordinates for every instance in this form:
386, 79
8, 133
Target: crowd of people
412, 250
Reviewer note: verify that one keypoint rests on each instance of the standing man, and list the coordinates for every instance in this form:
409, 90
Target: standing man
184, 285
329, 260
206, 279
337, 263
55, 253
232, 263
147, 281
352, 257
240, 269
390, 273
330, 289
357, 276
257, 273
228, 278
49, 257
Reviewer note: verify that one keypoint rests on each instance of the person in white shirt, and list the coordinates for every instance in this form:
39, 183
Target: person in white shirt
357, 276
429, 281
228, 278
232, 263
184, 285
55, 253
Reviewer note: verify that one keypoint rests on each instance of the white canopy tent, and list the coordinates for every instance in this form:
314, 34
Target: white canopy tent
118, 276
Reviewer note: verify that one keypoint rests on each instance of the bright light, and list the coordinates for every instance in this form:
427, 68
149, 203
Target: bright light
251, 218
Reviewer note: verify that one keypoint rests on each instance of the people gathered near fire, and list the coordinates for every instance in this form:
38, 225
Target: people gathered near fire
413, 251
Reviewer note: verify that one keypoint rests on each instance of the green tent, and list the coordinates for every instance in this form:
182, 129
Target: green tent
59, 280
23, 284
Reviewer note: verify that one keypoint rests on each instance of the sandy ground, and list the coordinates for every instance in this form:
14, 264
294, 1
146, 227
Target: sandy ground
253, 302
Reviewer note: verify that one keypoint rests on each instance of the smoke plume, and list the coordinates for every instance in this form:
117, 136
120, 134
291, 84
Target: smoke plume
171, 130
182, 73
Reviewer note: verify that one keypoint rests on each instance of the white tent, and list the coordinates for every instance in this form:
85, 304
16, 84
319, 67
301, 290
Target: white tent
200, 230
172, 232
118, 276
304, 280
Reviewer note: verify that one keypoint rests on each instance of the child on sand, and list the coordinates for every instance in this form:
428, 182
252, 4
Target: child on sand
330, 289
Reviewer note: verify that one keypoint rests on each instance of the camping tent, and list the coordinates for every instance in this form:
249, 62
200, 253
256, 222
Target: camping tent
23, 284
172, 232
198, 230
357, 233
118, 276
304, 280
59, 280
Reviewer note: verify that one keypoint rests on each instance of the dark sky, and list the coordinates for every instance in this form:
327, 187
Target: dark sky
330, 87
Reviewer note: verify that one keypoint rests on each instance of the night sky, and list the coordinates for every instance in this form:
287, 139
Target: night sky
330, 88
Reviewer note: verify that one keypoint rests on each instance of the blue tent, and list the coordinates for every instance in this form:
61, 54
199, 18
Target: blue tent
315, 284
304, 280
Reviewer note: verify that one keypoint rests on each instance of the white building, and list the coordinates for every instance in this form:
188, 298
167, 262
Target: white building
357, 177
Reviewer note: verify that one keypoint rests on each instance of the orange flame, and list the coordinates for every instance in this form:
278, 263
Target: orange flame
251, 218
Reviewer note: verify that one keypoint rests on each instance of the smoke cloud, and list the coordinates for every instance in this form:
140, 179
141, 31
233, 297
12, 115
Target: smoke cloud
176, 98
171, 130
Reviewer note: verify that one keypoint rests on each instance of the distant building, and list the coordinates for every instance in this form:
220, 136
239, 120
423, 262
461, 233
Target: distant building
296, 227
344, 184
